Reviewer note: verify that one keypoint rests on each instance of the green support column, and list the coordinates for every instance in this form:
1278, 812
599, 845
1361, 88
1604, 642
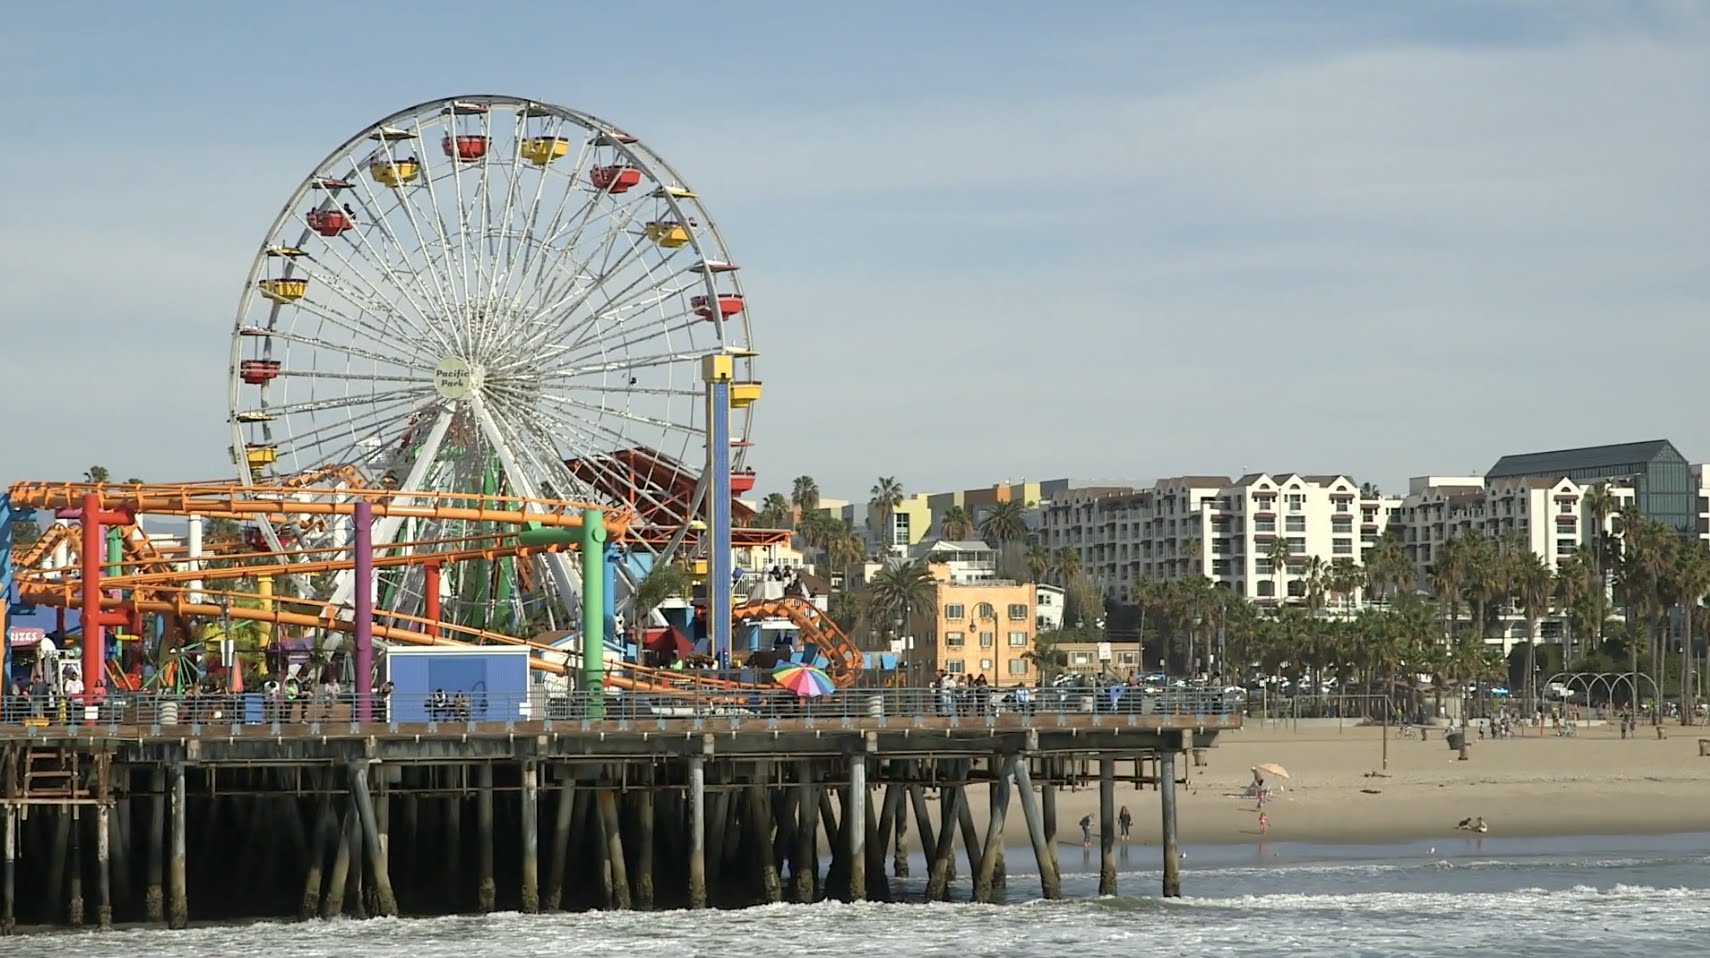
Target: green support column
594, 611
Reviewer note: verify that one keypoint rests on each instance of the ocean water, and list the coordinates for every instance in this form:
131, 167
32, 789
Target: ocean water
1607, 897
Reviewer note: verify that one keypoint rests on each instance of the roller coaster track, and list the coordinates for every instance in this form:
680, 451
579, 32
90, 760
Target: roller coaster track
34, 554
248, 503
817, 627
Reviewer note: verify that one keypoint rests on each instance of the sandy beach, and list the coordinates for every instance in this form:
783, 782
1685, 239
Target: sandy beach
1338, 790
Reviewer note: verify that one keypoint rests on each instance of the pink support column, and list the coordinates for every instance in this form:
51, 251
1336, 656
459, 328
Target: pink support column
364, 634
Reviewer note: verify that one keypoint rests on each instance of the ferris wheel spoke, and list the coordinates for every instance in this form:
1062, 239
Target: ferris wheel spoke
361, 401
617, 319
531, 251
381, 213
613, 480
590, 348
425, 380
354, 325
331, 317
450, 256
363, 427
409, 285
575, 370
402, 289
508, 212
526, 486
656, 423
616, 222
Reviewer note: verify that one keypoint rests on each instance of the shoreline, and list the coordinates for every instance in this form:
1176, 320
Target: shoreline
1593, 784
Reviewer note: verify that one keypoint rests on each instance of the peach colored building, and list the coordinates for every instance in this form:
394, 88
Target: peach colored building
984, 628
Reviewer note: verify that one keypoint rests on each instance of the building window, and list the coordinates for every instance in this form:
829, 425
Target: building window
1264, 525
954, 666
988, 639
1017, 666
1294, 523
1080, 658
1342, 547
1017, 640
955, 612
1296, 546
953, 639
1342, 526
1017, 612
985, 611
985, 666
1296, 501
1262, 566
899, 529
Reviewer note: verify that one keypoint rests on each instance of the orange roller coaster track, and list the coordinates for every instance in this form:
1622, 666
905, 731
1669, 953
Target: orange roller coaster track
240, 502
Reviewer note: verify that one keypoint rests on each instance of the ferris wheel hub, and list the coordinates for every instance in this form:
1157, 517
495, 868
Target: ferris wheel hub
456, 377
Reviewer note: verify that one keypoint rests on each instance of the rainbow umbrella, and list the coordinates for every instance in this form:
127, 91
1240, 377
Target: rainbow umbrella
804, 680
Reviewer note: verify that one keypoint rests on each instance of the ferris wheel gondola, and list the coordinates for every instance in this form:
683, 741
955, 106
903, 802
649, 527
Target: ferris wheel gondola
490, 295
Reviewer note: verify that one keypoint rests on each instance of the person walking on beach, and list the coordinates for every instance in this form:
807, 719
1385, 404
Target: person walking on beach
1125, 821
1086, 832
1264, 822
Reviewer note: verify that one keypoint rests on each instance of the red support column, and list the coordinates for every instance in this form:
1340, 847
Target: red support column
430, 585
94, 521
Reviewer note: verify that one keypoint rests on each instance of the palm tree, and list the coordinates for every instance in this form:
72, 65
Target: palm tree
1004, 523
1573, 588
775, 512
1692, 577
887, 495
901, 590
1597, 505
804, 495
661, 582
1038, 560
843, 548
1535, 588
1344, 580
957, 525
1387, 567
1278, 554
1066, 563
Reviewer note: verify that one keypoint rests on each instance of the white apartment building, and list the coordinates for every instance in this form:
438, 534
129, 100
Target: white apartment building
1219, 528
1547, 513
1701, 481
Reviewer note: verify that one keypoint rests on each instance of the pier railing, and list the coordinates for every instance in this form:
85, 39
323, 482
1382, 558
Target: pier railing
756, 707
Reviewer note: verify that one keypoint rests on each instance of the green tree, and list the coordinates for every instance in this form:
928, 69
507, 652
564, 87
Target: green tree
957, 525
1692, 576
1535, 586
804, 495
775, 512
662, 582
1004, 523
1596, 506
1279, 556
97, 474
1038, 562
898, 593
1388, 570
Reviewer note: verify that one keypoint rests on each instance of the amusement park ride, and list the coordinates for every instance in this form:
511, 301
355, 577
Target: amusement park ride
491, 367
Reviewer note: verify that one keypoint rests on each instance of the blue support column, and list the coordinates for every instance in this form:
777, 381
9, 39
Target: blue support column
718, 370
613, 557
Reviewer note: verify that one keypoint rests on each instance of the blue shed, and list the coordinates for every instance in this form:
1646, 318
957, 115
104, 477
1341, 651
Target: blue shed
494, 678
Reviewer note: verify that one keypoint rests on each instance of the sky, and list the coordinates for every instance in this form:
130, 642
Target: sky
980, 241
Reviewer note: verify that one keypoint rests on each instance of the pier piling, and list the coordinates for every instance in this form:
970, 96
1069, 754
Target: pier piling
1167, 796
386, 903
697, 832
177, 878
855, 826
338, 877
985, 875
74, 868
154, 899
487, 890
1107, 826
562, 812
1050, 885
9, 877
530, 805
103, 868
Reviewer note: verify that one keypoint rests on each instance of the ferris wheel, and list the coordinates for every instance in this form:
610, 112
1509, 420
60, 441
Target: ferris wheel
492, 296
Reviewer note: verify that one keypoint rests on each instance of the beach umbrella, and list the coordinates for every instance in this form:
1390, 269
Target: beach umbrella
1272, 768
804, 680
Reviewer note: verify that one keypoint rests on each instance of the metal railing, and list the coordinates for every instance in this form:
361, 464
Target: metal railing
735, 707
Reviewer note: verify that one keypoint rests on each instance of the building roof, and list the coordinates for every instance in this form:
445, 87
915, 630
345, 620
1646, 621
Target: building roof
1560, 462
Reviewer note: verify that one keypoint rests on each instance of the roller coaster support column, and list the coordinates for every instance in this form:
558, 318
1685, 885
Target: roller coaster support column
594, 566
430, 586
718, 370
364, 637
95, 620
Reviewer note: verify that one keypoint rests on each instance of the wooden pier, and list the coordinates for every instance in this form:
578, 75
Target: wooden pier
163, 824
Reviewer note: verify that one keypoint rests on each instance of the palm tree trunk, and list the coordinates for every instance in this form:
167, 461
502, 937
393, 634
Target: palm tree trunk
1686, 664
